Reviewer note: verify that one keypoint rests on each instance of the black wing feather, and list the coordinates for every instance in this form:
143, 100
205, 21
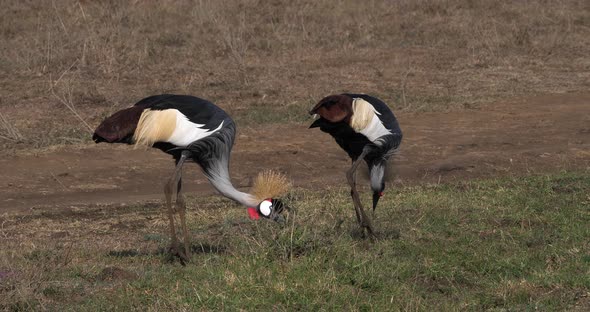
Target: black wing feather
197, 110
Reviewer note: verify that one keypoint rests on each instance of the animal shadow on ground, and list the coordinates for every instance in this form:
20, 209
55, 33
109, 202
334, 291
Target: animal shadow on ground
110, 274
202, 248
380, 234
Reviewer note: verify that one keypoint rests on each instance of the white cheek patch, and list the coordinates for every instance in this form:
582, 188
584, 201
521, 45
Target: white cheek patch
265, 208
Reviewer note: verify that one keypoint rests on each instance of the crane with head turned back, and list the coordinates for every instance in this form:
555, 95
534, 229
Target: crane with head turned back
191, 129
367, 130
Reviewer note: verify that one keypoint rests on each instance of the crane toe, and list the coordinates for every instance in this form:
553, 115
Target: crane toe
176, 252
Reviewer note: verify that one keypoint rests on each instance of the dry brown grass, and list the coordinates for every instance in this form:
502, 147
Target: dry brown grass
267, 61
8, 131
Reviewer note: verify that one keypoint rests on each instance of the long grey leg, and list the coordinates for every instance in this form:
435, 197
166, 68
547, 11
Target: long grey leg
356, 211
169, 190
364, 221
181, 206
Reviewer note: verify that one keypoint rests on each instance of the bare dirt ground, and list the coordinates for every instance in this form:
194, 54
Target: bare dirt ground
521, 136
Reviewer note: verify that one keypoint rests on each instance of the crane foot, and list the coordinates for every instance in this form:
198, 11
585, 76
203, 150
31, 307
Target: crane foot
176, 251
370, 231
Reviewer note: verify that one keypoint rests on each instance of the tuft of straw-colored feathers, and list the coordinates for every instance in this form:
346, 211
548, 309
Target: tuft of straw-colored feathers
362, 114
270, 184
154, 126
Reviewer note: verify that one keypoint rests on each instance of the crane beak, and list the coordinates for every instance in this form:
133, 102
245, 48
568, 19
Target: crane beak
97, 138
316, 123
278, 208
376, 197
278, 218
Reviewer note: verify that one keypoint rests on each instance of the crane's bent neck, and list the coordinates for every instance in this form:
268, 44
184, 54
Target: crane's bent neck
218, 174
224, 186
213, 154
377, 175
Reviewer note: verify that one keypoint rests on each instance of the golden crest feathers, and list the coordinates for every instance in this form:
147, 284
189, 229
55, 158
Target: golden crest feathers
270, 184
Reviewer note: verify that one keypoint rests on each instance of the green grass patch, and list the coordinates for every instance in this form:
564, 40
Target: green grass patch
503, 244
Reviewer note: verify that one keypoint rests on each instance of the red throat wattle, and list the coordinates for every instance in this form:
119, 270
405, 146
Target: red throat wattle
254, 215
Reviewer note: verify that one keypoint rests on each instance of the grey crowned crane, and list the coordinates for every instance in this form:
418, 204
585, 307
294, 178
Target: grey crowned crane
191, 129
367, 130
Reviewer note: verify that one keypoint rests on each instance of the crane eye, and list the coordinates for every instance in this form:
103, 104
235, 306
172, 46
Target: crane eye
265, 208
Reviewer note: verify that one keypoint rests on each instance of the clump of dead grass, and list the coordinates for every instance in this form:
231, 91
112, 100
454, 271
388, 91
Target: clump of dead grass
9, 131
